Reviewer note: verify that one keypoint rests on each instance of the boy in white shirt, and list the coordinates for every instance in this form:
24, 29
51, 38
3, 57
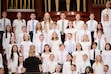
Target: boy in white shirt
31, 24
92, 25
62, 25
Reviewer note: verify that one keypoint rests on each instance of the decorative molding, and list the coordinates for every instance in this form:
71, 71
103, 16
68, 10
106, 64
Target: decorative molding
20, 10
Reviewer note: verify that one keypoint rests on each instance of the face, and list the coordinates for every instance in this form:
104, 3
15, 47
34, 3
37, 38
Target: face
46, 48
108, 5
1, 71
87, 69
73, 68
26, 37
21, 59
54, 34
91, 16
105, 17
62, 47
69, 57
4, 14
52, 57
105, 68
85, 26
12, 39
41, 38
99, 26
98, 58
58, 69
32, 16
63, 16
14, 48
107, 46
53, 26
47, 15
69, 36
77, 17
8, 28
84, 57
84, 37
70, 24
38, 25
94, 46
78, 46
19, 15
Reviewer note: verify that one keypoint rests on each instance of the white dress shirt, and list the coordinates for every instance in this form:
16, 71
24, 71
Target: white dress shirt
59, 24
7, 22
51, 66
61, 56
29, 25
97, 52
92, 25
106, 11
83, 66
71, 44
39, 47
102, 43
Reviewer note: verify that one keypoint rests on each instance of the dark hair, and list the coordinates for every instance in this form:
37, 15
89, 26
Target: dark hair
101, 29
48, 46
68, 25
107, 66
93, 44
109, 46
18, 60
89, 69
6, 31
61, 45
80, 45
12, 53
71, 57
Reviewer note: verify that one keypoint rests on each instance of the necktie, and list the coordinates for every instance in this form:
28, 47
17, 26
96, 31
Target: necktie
63, 27
4, 24
33, 25
41, 47
94, 54
99, 46
91, 26
70, 47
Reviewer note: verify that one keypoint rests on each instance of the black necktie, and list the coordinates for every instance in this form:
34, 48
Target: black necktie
94, 54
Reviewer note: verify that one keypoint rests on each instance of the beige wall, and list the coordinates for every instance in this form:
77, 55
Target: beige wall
0, 8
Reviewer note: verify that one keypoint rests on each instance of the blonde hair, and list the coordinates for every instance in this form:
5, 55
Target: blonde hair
87, 39
101, 61
54, 37
32, 51
25, 35
45, 27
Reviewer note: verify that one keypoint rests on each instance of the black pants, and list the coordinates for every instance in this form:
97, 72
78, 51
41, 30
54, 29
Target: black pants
31, 35
1, 37
62, 38
92, 36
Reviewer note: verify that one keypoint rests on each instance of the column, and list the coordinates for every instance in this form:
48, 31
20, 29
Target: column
68, 5
57, 5
78, 5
